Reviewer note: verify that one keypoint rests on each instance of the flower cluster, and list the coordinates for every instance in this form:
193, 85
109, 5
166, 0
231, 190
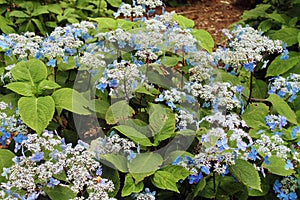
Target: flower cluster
285, 87
57, 47
286, 188
122, 78
114, 144
138, 9
12, 127
247, 46
273, 145
274, 121
46, 160
146, 195
216, 150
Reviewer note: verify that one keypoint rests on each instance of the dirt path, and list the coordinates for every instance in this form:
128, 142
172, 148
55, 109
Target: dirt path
212, 15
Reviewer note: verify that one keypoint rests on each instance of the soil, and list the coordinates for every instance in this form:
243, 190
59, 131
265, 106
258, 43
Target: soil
212, 15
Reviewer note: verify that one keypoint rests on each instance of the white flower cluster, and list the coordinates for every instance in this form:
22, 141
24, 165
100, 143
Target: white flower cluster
112, 145
122, 78
128, 10
145, 195
183, 118
44, 158
219, 94
246, 45
285, 87
150, 3
273, 145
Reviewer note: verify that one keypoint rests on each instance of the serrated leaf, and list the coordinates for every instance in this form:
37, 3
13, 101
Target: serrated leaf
32, 71
6, 157
134, 135
277, 166
40, 10
165, 180
265, 25
22, 88
183, 21
36, 112
282, 108
178, 172
105, 23
5, 27
118, 111
279, 67
130, 186
281, 18
246, 173
60, 192
48, 85
71, 100
118, 161
258, 11
204, 39
144, 164
199, 187
254, 115
287, 35
55, 8
18, 14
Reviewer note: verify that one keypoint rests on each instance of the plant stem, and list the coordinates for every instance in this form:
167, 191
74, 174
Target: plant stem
250, 88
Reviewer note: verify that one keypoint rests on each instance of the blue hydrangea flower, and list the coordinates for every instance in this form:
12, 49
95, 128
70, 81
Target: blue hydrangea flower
171, 105
101, 86
177, 160
37, 157
51, 62
113, 83
295, 131
99, 171
53, 182
289, 165
131, 156
249, 66
195, 178
222, 144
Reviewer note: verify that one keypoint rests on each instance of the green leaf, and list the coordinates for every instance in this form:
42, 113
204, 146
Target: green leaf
178, 172
259, 89
118, 161
246, 173
282, 108
165, 180
265, 187
144, 164
204, 39
281, 18
112, 175
162, 122
101, 107
118, 111
5, 27
287, 35
47, 85
278, 67
18, 14
115, 3
258, 11
105, 23
71, 100
55, 8
125, 24
277, 166
170, 61
36, 112
254, 115
130, 186
32, 71
6, 157
59, 192
40, 10
133, 134
265, 25
22, 88
40, 26
66, 66
183, 21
